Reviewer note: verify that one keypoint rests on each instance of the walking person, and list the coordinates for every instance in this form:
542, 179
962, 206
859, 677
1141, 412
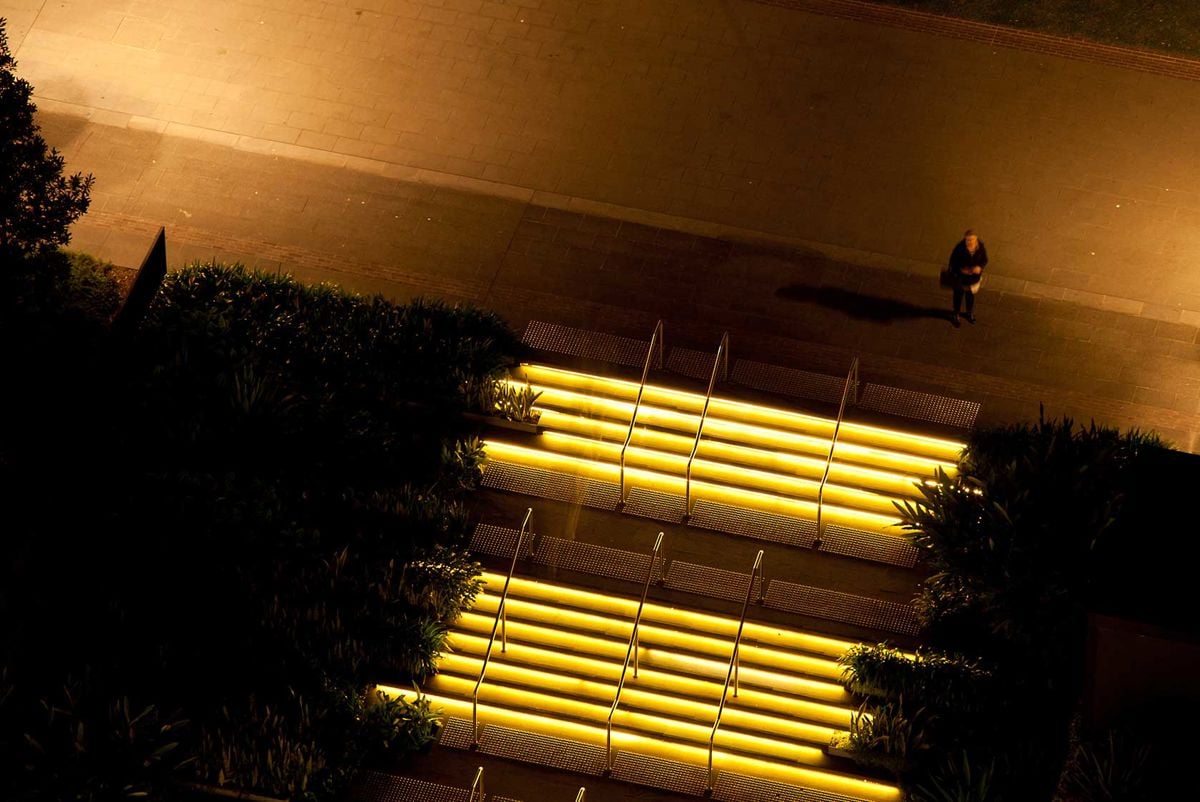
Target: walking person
967, 261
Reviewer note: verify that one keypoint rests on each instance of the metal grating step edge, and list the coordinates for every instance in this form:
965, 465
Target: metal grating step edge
752, 523
497, 541
542, 483
734, 787
704, 580
873, 546
661, 773
584, 343
654, 504
590, 558
542, 750
456, 733
694, 364
916, 405
374, 786
848, 608
789, 381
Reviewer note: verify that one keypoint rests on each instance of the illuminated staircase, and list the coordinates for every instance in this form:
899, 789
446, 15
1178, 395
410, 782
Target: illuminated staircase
559, 673
748, 456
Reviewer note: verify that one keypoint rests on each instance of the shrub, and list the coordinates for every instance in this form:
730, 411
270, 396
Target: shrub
285, 468
92, 289
80, 746
422, 351
888, 736
461, 465
37, 202
1110, 767
1012, 539
960, 779
939, 681
495, 396
310, 751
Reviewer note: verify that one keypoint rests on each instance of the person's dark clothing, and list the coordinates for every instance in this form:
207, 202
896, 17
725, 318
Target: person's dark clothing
962, 259
961, 292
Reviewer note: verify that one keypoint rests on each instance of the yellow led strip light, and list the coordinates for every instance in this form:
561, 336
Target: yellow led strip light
664, 483
938, 448
695, 755
635, 697
823, 702
679, 618
558, 403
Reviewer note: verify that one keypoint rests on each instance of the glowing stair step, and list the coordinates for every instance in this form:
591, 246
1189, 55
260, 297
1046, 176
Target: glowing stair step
727, 474
818, 700
662, 726
701, 490
551, 593
669, 633
824, 703
941, 449
791, 464
792, 774
653, 641
881, 453
635, 699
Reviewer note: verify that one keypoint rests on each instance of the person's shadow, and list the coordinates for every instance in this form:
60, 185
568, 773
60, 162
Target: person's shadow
859, 305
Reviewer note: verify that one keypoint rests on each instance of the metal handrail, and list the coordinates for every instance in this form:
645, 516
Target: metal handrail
579, 796
501, 623
734, 660
631, 649
478, 783
851, 380
722, 358
655, 338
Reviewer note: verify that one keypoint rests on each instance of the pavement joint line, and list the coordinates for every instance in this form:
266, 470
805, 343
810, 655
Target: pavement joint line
1027, 288
1000, 35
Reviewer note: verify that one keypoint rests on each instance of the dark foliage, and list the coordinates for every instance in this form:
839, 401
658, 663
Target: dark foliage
37, 202
248, 512
1015, 541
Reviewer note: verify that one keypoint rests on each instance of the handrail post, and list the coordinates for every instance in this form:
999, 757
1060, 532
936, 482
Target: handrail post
636, 647
579, 796
734, 663
631, 649
500, 617
477, 783
851, 381
655, 338
737, 667
721, 359
854, 384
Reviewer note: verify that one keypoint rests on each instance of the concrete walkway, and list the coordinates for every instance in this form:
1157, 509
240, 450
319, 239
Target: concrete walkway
432, 147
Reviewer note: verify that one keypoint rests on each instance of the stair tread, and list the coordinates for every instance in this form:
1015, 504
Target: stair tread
744, 713
821, 699
558, 379
693, 754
